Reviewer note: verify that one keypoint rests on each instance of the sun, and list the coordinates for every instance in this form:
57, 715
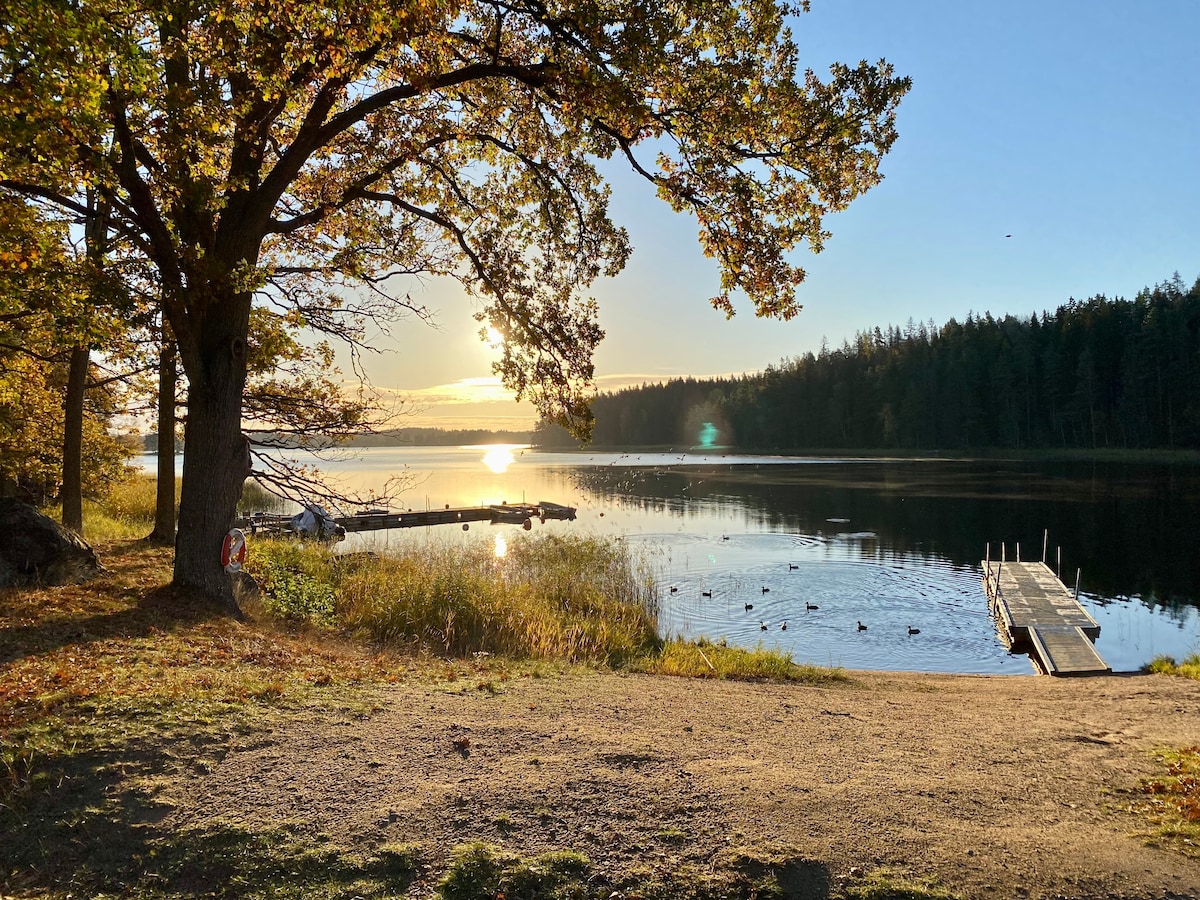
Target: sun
494, 337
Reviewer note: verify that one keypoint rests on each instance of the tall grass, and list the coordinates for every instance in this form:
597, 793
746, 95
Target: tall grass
704, 659
126, 512
256, 498
550, 597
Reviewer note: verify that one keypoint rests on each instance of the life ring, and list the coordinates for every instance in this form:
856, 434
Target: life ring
233, 550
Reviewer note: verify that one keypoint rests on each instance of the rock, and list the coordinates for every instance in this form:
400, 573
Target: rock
245, 588
36, 550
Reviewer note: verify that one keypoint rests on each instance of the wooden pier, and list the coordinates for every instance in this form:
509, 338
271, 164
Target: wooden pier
523, 514
1039, 615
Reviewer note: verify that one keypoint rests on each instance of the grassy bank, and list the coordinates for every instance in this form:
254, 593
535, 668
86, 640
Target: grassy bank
1166, 665
576, 599
111, 690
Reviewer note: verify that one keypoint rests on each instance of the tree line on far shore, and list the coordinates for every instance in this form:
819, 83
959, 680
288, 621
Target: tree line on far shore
1096, 373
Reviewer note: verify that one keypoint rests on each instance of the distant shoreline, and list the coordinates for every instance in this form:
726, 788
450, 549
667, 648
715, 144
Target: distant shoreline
1098, 455
433, 437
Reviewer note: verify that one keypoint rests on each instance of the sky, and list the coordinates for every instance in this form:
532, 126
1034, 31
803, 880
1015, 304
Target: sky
1072, 126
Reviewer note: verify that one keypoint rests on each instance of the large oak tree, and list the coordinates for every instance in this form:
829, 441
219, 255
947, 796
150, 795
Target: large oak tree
314, 153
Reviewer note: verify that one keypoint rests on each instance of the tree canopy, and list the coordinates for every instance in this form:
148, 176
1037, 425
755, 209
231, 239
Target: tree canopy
1099, 373
310, 155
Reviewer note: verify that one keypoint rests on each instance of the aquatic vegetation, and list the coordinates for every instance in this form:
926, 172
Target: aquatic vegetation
549, 597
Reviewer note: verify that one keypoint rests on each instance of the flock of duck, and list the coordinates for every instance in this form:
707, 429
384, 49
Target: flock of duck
808, 606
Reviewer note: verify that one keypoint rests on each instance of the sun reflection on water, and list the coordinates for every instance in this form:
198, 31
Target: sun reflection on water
498, 459
501, 546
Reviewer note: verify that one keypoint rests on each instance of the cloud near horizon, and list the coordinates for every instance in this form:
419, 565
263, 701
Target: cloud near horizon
484, 402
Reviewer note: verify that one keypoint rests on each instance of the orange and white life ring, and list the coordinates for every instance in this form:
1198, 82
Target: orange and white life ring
233, 550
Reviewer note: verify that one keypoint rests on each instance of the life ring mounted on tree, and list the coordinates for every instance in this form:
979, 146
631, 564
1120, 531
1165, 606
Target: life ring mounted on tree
233, 550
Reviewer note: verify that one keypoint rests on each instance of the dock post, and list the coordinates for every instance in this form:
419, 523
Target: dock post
1077, 571
1045, 543
1018, 551
1060, 563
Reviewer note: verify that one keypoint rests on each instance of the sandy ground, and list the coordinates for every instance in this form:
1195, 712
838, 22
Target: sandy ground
995, 786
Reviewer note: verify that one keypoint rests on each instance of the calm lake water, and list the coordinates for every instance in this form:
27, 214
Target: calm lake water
889, 543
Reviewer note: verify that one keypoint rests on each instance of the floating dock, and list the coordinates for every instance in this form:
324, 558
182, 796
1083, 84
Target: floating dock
522, 514
1039, 615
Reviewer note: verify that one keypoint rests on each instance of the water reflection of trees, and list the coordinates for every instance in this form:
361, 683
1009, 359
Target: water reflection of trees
1131, 529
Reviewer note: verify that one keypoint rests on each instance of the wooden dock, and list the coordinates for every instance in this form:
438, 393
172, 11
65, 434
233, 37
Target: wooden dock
523, 514
1039, 615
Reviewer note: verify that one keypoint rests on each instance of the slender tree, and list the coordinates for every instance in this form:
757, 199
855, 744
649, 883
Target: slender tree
164, 497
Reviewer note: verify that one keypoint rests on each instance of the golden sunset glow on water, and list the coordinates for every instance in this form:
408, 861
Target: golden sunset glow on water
498, 459
501, 549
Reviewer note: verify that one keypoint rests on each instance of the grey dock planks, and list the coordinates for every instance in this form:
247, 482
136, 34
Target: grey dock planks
1066, 650
1039, 613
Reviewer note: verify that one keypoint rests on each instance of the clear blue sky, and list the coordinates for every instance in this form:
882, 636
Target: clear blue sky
1073, 126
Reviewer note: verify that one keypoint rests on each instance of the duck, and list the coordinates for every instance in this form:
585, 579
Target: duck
766, 590
762, 626
808, 605
783, 627
674, 589
792, 568
912, 630
749, 606
706, 593
861, 626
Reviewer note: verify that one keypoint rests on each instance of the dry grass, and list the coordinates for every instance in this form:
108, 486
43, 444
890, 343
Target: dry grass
1172, 804
127, 633
574, 599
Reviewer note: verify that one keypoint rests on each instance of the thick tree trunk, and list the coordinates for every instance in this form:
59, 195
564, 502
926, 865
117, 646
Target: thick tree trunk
216, 457
72, 450
164, 505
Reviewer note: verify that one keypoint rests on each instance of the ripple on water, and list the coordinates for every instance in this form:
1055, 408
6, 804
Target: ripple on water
823, 598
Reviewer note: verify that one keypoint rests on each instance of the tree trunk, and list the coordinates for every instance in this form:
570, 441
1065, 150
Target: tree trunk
95, 235
72, 451
164, 505
216, 458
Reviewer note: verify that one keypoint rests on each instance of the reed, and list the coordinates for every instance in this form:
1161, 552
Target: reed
568, 598
256, 498
705, 659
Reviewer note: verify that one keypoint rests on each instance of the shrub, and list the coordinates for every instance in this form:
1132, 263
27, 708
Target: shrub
1166, 665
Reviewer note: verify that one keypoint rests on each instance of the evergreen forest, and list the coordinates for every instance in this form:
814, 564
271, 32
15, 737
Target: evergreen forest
1097, 373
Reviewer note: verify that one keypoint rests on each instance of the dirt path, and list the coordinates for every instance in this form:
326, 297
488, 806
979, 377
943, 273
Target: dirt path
995, 786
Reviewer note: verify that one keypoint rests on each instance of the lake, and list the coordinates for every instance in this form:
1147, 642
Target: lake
835, 542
